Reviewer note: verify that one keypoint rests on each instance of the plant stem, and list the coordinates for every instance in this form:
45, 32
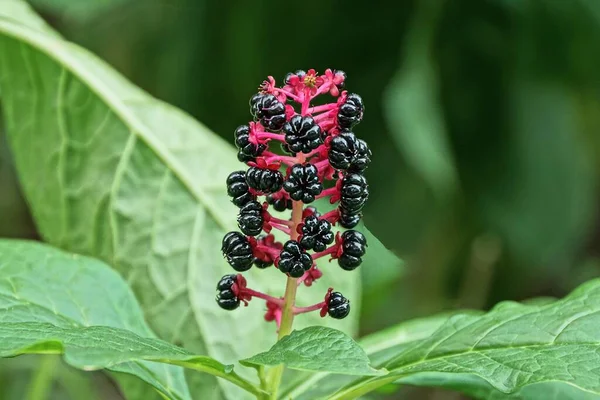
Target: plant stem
291, 286
42, 380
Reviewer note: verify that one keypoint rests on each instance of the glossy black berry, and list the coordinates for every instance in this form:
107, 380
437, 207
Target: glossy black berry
303, 183
279, 204
310, 210
338, 306
351, 112
348, 220
247, 151
268, 110
293, 260
299, 73
250, 219
237, 250
347, 152
354, 246
238, 189
316, 234
264, 180
225, 297
302, 134
354, 193
266, 261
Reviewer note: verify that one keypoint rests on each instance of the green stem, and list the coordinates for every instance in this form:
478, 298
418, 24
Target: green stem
361, 388
287, 318
43, 378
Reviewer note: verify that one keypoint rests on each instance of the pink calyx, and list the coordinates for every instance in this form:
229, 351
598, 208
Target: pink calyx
310, 276
332, 216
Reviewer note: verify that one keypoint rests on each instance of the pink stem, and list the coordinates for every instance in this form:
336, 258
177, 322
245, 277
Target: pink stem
312, 153
321, 164
284, 159
324, 107
324, 88
327, 192
291, 95
331, 215
315, 307
305, 102
325, 115
274, 253
263, 296
283, 229
269, 135
330, 250
280, 221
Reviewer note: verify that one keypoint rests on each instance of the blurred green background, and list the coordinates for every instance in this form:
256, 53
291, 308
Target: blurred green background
482, 115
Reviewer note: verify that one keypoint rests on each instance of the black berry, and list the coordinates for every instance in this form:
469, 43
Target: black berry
266, 261
348, 220
354, 193
268, 110
316, 234
264, 180
354, 246
279, 203
237, 188
338, 306
247, 151
293, 260
347, 152
225, 296
237, 250
303, 183
310, 210
250, 219
351, 112
302, 134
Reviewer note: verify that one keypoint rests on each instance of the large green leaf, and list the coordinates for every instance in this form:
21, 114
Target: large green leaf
380, 347
414, 110
317, 348
54, 302
516, 349
111, 172
78, 10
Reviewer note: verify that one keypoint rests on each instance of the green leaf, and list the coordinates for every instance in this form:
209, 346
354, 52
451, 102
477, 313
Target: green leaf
54, 302
509, 350
414, 110
111, 172
379, 347
77, 10
317, 348
380, 266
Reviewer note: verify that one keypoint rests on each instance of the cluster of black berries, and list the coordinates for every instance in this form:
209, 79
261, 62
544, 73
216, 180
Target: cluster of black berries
319, 146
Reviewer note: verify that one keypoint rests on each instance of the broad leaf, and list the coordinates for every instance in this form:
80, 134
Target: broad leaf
317, 348
111, 172
514, 349
414, 109
78, 10
379, 347
53, 302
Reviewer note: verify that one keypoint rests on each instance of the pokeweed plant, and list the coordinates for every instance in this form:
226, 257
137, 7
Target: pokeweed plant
112, 173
